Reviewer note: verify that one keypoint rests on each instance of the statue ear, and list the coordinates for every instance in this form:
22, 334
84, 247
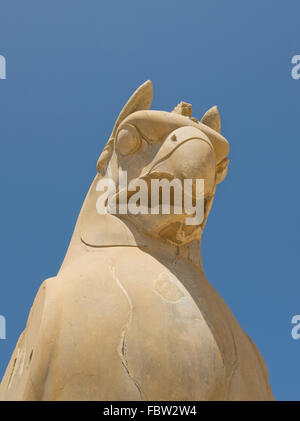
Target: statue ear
221, 171
212, 119
141, 99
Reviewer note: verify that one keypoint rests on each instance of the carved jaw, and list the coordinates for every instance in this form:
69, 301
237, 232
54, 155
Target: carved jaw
168, 228
171, 228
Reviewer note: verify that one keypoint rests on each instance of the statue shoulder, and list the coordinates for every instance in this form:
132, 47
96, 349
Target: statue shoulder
22, 379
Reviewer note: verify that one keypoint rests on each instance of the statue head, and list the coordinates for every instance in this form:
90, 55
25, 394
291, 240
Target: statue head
150, 148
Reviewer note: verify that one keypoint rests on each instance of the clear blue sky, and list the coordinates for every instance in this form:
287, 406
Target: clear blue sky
71, 65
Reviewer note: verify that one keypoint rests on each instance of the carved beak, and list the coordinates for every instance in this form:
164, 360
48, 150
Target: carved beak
186, 154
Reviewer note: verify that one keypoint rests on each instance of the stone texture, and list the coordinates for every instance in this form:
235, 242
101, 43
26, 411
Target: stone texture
131, 315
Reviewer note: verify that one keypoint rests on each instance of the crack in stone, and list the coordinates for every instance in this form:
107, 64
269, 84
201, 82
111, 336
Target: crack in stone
122, 348
11, 373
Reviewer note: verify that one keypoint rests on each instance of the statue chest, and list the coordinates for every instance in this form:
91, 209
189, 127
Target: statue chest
130, 329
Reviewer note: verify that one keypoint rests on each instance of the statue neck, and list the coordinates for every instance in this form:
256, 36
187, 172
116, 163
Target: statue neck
98, 231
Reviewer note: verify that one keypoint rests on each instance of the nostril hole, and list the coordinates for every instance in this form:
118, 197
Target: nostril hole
174, 138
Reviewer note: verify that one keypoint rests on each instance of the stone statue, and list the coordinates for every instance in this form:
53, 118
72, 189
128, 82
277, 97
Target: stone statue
130, 314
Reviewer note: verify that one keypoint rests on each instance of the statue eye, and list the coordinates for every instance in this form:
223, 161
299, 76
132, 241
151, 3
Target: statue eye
128, 140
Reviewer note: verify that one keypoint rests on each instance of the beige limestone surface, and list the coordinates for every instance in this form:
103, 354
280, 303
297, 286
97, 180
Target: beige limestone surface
130, 314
